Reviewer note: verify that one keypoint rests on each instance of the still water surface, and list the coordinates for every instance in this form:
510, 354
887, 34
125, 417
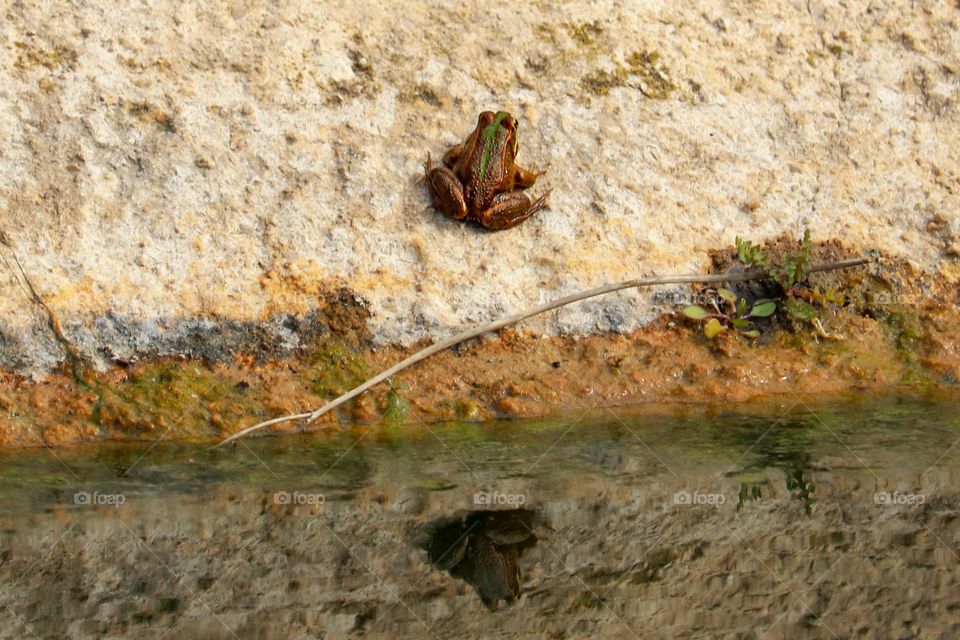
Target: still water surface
790, 519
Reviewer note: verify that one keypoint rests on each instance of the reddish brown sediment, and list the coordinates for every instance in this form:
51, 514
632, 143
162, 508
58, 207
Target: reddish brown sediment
510, 375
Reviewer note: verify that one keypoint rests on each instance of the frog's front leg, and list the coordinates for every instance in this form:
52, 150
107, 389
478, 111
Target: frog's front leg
446, 192
510, 209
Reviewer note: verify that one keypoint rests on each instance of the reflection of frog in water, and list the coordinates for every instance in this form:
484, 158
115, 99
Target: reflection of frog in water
482, 548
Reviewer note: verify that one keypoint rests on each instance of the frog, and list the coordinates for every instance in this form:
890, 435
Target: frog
479, 179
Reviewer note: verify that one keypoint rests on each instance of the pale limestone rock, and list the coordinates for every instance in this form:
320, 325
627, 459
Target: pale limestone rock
171, 164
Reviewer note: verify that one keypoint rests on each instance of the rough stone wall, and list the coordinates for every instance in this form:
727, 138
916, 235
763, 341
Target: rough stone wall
169, 167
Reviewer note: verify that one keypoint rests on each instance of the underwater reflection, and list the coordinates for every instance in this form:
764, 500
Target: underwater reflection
483, 548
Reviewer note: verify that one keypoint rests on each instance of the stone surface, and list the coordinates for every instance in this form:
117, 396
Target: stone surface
179, 167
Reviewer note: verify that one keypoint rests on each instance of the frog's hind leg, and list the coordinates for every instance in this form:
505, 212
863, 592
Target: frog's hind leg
446, 192
523, 178
510, 209
452, 155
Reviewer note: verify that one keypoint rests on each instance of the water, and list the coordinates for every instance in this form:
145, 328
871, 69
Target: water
788, 519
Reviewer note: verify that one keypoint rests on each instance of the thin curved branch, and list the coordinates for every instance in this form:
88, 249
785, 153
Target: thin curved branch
753, 274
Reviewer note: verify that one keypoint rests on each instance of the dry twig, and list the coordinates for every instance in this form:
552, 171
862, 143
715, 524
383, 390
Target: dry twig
753, 274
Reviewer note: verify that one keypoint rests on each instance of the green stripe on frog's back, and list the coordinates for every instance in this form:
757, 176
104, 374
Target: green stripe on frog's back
489, 137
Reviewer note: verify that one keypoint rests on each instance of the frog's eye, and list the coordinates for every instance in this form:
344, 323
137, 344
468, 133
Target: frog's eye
485, 118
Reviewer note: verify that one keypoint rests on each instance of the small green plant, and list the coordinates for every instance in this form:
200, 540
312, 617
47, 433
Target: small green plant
800, 303
795, 265
730, 312
791, 272
750, 255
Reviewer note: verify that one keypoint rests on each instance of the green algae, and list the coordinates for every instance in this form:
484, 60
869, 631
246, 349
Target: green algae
467, 410
335, 368
904, 325
433, 484
176, 399
397, 409
188, 399
906, 333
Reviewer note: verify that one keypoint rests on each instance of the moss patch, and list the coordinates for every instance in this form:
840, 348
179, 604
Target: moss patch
32, 54
585, 34
641, 70
176, 399
335, 368
397, 408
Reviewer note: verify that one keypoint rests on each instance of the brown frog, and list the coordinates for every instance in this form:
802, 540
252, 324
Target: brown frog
480, 180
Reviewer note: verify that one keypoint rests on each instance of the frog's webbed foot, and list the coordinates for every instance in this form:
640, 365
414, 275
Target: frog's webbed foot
510, 209
446, 192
